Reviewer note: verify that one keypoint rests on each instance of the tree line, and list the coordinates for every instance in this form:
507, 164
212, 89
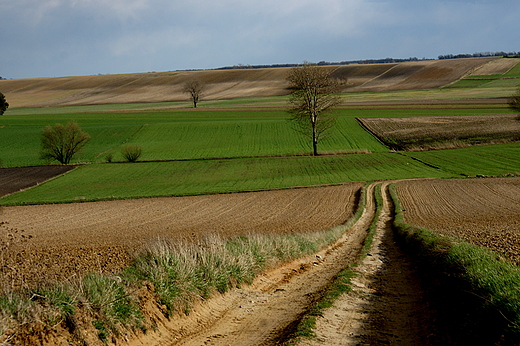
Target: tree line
480, 55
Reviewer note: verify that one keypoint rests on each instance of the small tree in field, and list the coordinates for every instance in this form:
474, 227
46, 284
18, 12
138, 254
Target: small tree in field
514, 102
131, 152
195, 88
314, 96
3, 104
62, 142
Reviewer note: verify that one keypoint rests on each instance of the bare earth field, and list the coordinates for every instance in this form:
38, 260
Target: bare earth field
227, 84
19, 178
481, 211
422, 133
49, 242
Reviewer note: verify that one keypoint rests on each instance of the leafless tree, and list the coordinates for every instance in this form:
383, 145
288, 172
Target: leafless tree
514, 102
195, 88
62, 142
314, 96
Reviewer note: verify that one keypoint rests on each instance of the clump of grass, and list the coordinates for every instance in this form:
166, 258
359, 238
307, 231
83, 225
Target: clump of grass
474, 284
131, 152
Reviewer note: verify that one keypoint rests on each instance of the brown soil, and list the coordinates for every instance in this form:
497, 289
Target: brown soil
423, 133
54, 242
225, 84
19, 178
481, 211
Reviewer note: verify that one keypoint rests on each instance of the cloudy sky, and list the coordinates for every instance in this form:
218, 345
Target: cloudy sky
46, 38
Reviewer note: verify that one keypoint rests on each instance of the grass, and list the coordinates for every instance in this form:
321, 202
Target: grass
193, 177
177, 275
478, 290
489, 160
170, 135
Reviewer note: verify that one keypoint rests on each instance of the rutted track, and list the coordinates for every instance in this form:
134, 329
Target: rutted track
387, 304
266, 312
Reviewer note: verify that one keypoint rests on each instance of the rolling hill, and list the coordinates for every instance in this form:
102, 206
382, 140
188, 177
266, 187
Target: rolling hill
227, 84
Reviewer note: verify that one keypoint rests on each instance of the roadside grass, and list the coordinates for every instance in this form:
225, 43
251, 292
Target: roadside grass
176, 274
476, 290
110, 181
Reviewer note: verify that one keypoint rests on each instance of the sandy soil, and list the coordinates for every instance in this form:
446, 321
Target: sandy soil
481, 211
48, 242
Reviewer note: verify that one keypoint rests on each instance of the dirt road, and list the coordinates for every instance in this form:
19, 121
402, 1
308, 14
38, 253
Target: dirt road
386, 305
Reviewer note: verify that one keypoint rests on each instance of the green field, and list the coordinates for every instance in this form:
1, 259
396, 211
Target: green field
229, 146
499, 159
193, 177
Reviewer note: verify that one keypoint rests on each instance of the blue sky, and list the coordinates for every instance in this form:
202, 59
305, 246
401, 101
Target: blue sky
46, 38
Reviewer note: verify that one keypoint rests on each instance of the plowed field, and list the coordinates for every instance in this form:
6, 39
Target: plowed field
481, 211
18, 178
422, 133
48, 242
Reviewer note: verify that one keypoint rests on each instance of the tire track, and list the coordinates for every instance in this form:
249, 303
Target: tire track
387, 303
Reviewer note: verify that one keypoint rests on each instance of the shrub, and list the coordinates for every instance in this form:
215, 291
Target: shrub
131, 152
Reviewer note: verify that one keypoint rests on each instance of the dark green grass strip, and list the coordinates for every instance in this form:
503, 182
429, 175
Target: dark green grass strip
179, 178
476, 293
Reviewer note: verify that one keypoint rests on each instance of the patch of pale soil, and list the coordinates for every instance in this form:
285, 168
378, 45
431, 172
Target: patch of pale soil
498, 66
266, 312
54, 242
386, 305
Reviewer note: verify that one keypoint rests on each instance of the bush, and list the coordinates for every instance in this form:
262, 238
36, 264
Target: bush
61, 143
131, 152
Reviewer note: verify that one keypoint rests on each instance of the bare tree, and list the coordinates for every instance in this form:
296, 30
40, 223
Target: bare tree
313, 98
62, 142
195, 88
514, 102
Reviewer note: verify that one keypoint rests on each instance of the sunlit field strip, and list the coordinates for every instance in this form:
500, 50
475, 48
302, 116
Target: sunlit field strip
148, 179
499, 159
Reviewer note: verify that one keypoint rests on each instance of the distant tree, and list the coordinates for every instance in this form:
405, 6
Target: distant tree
514, 102
131, 152
195, 88
3, 104
62, 142
313, 98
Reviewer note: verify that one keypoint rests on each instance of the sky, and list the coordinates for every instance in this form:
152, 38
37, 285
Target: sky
53, 38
